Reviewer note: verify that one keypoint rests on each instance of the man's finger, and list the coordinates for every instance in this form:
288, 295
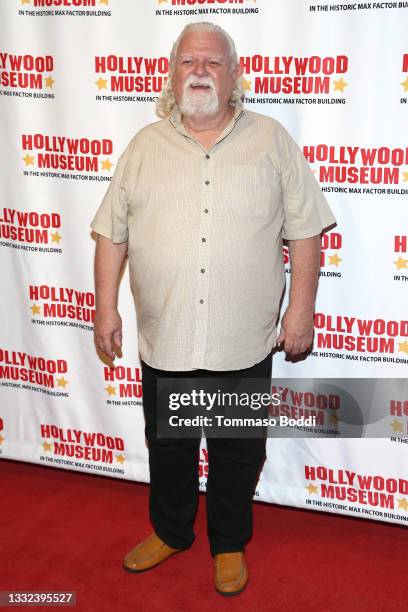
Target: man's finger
293, 346
117, 338
107, 352
288, 346
298, 348
106, 346
281, 336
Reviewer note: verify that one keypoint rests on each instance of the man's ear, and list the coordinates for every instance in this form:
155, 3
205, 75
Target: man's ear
238, 72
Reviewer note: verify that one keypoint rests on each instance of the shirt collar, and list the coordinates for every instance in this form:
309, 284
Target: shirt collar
176, 120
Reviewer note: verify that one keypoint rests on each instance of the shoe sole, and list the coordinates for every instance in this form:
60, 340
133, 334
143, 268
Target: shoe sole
229, 594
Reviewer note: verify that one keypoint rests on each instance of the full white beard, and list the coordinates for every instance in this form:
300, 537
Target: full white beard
199, 102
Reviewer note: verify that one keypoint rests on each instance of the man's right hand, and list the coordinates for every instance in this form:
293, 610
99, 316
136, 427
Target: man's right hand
108, 331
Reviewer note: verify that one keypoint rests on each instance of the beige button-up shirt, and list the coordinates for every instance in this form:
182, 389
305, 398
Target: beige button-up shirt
204, 231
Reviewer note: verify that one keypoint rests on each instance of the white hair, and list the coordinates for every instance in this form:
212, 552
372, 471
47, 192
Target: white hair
167, 100
191, 105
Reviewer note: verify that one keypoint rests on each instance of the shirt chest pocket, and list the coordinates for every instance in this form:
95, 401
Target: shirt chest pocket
246, 191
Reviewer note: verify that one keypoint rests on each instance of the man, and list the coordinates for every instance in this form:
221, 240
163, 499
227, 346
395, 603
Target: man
200, 202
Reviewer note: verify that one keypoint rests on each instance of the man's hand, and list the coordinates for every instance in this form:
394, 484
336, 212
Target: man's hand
297, 325
109, 260
108, 331
296, 333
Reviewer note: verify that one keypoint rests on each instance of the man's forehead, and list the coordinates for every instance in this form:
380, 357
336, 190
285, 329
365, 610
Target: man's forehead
210, 42
218, 56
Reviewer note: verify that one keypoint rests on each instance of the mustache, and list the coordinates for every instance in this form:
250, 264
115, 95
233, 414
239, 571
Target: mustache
194, 81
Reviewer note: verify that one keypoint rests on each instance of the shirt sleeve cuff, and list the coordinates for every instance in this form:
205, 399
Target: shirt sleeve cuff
98, 228
304, 233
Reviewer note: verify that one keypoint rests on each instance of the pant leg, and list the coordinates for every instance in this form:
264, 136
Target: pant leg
174, 478
234, 467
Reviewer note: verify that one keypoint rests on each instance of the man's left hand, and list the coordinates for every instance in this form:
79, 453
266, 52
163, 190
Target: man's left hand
296, 333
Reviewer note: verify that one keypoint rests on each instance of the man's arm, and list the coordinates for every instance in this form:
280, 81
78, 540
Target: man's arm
297, 323
109, 258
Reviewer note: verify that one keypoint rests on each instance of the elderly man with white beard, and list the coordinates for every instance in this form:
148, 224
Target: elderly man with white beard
200, 202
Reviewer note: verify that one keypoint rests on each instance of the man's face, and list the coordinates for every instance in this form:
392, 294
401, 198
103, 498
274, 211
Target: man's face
202, 79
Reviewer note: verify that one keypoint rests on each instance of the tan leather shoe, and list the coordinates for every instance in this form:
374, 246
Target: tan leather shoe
147, 554
231, 573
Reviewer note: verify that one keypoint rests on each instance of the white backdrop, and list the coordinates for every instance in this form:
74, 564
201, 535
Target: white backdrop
77, 79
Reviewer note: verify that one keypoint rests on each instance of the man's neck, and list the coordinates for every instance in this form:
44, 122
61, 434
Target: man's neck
209, 124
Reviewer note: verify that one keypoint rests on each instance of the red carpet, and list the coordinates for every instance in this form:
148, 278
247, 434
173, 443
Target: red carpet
64, 530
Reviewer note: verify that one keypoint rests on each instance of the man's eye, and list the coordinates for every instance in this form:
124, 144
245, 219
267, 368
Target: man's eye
186, 62
215, 63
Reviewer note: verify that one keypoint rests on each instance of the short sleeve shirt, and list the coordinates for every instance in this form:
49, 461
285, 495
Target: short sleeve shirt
204, 231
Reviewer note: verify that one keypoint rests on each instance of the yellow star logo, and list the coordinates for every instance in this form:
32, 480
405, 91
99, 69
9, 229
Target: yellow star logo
340, 85
1, 439
106, 165
110, 390
56, 237
49, 81
246, 85
102, 83
405, 84
28, 160
104, 2
403, 347
161, 1
46, 446
25, 1
311, 489
402, 503
396, 425
61, 382
405, 175
333, 418
401, 263
334, 260
35, 309
120, 459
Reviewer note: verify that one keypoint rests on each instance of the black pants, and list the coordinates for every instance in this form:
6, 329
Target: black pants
234, 466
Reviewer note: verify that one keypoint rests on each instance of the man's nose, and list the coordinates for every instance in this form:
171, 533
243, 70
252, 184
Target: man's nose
201, 69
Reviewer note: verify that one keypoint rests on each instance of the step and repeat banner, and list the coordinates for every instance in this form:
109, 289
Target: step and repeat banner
78, 78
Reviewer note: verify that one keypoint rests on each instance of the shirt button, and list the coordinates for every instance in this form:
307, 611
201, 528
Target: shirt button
205, 209
203, 270
207, 182
201, 301
207, 156
203, 239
